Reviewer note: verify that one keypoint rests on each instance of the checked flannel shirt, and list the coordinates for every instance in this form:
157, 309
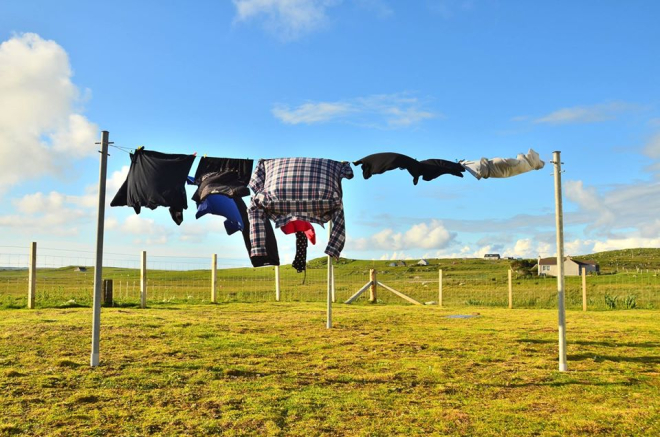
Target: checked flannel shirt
308, 189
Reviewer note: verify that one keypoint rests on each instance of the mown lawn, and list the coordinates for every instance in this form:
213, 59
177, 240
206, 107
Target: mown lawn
274, 369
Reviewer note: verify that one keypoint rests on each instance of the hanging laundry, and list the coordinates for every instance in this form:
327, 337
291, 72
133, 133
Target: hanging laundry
300, 261
504, 167
308, 189
300, 226
269, 256
379, 163
222, 183
219, 204
228, 176
433, 168
156, 179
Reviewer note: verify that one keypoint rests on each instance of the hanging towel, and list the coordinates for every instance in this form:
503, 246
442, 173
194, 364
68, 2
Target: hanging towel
504, 167
156, 179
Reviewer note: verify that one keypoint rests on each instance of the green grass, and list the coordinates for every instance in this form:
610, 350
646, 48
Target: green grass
636, 284
273, 369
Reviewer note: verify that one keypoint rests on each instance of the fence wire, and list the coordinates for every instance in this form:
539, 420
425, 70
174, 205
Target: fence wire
189, 280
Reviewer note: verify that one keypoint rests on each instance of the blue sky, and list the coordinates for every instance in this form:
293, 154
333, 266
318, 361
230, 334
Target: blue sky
339, 79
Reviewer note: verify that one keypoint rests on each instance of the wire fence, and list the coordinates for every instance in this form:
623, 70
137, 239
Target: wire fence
59, 283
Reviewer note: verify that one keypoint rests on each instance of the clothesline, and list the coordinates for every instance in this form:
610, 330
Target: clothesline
291, 192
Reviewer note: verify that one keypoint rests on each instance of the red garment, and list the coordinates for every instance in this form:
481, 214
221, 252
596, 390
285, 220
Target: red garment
300, 226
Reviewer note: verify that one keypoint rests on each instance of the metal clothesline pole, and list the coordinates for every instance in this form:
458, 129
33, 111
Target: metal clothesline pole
328, 324
559, 220
98, 266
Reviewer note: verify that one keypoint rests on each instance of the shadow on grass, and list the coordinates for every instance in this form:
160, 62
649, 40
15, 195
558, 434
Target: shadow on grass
650, 359
647, 344
566, 383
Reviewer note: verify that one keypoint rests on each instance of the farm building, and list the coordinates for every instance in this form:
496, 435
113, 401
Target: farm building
422, 262
572, 267
492, 256
397, 264
80, 269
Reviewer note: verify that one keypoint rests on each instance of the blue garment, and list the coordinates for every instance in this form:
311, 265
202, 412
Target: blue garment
219, 204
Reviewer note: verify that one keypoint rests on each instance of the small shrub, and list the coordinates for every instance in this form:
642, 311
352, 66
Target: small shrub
610, 301
630, 301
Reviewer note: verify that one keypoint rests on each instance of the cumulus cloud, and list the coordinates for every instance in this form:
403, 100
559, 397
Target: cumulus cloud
420, 236
381, 111
623, 207
49, 214
39, 116
145, 229
286, 19
586, 114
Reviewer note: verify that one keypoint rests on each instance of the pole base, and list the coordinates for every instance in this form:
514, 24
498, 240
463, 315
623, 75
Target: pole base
94, 361
563, 367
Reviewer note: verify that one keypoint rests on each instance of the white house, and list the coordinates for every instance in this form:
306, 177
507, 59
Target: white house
422, 262
572, 267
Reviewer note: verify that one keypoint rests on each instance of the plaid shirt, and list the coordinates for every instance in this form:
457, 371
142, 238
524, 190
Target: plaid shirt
289, 189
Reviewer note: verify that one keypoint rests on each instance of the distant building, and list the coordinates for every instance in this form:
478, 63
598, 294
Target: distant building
492, 256
572, 267
422, 262
397, 264
80, 269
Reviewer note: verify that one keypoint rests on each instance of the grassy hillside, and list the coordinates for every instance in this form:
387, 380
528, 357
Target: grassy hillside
625, 260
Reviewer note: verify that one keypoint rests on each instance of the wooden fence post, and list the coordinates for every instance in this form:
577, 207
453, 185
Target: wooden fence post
143, 280
278, 292
32, 276
107, 295
510, 290
214, 278
440, 287
332, 284
584, 289
374, 286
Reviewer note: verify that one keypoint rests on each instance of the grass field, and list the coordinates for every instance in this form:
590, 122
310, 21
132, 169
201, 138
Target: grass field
273, 369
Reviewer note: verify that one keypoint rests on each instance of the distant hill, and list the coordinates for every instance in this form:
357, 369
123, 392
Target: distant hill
609, 261
12, 268
626, 259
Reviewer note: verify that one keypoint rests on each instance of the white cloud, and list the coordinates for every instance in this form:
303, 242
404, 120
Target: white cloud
589, 200
41, 127
625, 243
381, 110
652, 148
286, 19
395, 256
431, 235
623, 207
136, 225
49, 214
310, 113
585, 114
